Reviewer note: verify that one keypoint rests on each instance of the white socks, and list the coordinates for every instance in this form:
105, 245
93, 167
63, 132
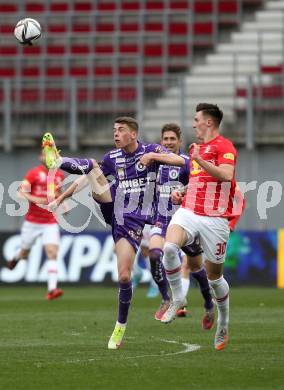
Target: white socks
51, 275
220, 290
185, 285
172, 266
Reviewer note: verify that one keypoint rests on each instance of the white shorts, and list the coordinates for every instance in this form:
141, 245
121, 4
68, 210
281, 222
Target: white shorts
213, 232
31, 231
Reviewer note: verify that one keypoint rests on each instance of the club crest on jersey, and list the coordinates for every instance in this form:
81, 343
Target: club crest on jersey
120, 173
140, 167
173, 174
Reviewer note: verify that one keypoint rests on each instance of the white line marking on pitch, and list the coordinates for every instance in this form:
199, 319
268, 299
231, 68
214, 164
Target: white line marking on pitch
187, 348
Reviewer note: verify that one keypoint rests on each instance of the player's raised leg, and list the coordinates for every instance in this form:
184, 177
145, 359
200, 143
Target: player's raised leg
125, 258
78, 166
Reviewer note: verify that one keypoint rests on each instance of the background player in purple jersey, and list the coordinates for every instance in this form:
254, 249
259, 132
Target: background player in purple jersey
129, 205
174, 178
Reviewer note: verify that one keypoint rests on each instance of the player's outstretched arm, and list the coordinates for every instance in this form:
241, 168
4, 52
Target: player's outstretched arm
163, 158
24, 193
75, 187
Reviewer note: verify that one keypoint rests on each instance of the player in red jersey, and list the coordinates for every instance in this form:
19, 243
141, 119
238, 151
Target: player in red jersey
40, 222
207, 205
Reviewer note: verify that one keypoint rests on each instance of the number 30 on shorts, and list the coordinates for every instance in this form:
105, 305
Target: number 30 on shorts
220, 248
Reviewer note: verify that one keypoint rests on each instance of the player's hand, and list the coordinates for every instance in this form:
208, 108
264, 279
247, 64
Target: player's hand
147, 159
52, 206
177, 197
195, 153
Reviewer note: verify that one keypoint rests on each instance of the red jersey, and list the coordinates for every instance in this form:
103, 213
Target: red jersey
37, 177
206, 195
238, 209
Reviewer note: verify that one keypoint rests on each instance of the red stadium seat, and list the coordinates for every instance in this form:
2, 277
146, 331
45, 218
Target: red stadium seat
31, 50
128, 48
179, 5
103, 71
228, 6
55, 94
10, 50
178, 28
86, 6
59, 7
30, 71
272, 69
8, 8
30, 95
55, 71
79, 71
109, 6
203, 28
7, 72
126, 93
57, 28
178, 49
129, 27
56, 49
154, 27
104, 49
80, 49
34, 7
130, 70
7, 29
153, 70
153, 50
203, 7
130, 5
81, 28
105, 27
155, 5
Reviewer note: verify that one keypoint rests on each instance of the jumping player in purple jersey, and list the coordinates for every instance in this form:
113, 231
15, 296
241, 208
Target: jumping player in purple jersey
127, 205
174, 178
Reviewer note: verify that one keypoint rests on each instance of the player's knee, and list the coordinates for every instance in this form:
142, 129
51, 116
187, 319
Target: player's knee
170, 255
51, 253
124, 276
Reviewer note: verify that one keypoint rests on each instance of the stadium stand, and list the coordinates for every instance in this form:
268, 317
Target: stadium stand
109, 48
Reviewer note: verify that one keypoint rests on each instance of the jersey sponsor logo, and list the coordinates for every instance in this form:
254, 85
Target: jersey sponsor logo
229, 156
140, 167
196, 168
134, 183
120, 160
114, 155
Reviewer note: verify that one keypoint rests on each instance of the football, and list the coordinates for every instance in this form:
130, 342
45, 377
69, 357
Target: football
27, 31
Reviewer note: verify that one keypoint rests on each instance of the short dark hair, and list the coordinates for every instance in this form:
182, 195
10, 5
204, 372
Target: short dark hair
171, 127
129, 121
211, 110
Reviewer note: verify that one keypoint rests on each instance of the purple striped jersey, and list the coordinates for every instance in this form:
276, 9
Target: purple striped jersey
133, 184
169, 178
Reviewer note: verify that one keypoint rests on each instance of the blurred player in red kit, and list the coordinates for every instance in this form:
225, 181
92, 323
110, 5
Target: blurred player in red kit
39, 222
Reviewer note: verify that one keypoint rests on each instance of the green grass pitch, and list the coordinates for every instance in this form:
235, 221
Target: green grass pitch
63, 344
